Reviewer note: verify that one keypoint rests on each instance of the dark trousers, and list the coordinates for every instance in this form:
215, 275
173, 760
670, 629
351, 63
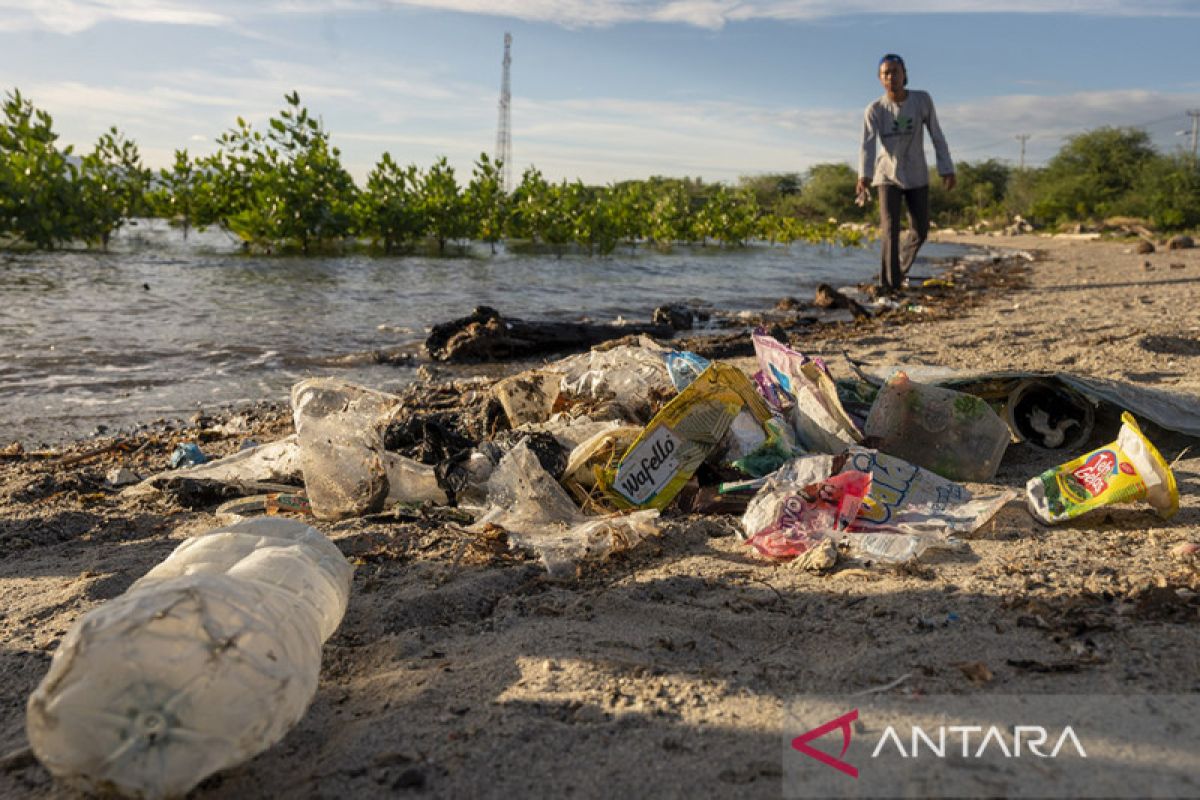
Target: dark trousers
898, 255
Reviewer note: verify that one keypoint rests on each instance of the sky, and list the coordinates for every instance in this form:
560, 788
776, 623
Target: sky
603, 90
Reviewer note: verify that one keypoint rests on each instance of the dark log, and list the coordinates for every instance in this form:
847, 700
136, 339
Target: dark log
679, 316
487, 336
828, 297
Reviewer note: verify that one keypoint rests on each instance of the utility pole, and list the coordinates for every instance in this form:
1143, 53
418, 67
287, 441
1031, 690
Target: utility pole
1022, 138
504, 125
1195, 115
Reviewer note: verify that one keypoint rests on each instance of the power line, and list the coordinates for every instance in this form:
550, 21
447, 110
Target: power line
1195, 115
1023, 137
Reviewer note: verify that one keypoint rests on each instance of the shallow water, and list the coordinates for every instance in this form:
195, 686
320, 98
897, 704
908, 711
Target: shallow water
159, 326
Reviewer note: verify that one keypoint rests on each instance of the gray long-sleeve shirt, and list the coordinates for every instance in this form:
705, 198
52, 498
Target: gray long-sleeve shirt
893, 142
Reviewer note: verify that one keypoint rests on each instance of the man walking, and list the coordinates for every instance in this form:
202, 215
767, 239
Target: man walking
892, 158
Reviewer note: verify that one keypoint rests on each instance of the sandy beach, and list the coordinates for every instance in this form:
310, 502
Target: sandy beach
461, 671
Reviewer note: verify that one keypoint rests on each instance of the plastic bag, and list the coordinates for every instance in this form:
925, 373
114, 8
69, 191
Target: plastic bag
786, 519
202, 664
275, 462
629, 375
907, 511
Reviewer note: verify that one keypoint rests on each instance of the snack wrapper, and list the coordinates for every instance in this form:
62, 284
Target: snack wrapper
676, 442
821, 422
908, 499
1125, 471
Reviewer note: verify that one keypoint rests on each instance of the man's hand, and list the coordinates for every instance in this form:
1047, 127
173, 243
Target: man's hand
862, 186
949, 181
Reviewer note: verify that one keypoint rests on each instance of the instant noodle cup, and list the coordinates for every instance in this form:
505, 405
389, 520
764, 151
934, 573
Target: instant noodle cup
1125, 471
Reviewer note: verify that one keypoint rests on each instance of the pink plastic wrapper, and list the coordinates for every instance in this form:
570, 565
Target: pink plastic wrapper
804, 517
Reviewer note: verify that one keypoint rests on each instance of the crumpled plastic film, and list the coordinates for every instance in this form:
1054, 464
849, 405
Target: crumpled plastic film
538, 514
205, 662
629, 376
786, 519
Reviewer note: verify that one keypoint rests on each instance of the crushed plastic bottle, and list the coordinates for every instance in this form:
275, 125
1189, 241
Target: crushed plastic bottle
205, 662
899, 548
954, 434
888, 548
339, 427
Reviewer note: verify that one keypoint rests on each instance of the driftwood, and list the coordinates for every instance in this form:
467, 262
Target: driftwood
828, 297
488, 336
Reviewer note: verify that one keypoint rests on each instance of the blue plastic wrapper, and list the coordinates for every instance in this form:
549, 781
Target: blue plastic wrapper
684, 367
187, 455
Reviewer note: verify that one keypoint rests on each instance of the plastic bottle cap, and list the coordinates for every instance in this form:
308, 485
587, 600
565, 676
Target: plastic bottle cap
151, 723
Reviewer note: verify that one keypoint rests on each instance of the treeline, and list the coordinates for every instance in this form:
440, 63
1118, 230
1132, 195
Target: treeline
1104, 173
284, 188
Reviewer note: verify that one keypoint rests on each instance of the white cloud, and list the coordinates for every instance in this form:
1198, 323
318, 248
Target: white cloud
73, 16
716, 13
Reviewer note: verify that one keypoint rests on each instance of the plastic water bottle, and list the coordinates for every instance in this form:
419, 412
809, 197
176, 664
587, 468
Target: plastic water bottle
205, 662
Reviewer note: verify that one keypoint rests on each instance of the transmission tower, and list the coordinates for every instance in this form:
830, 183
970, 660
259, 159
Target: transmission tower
1022, 138
504, 126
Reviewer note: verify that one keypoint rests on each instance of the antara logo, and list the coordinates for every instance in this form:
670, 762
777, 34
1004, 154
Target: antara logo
1034, 737
1031, 739
843, 722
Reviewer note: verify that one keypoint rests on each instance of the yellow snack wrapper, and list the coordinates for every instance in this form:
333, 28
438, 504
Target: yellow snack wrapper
670, 449
1124, 471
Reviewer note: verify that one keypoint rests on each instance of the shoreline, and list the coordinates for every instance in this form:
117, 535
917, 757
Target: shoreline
799, 316
72, 376
666, 670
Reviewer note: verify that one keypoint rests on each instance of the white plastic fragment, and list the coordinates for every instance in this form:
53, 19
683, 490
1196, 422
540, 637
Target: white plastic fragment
274, 462
411, 481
